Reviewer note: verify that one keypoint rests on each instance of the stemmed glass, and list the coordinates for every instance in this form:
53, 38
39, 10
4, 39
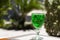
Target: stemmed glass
37, 21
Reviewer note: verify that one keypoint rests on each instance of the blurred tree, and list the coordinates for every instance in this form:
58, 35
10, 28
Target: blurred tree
26, 6
4, 4
52, 23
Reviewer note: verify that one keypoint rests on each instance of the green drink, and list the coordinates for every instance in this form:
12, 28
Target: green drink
38, 19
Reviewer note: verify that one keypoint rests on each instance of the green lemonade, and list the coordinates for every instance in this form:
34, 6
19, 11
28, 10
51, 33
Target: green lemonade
37, 19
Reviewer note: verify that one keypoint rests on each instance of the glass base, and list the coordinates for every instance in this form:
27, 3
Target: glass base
37, 38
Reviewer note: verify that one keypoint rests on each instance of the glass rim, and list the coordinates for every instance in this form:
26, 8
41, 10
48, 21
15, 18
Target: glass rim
38, 13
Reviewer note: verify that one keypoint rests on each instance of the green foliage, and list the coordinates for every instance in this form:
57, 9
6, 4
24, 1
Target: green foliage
1, 23
28, 6
25, 7
7, 26
52, 23
4, 4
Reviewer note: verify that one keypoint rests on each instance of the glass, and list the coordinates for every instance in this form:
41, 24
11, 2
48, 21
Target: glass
37, 21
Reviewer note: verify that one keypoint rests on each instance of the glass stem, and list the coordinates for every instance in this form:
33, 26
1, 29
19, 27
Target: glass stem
37, 36
38, 32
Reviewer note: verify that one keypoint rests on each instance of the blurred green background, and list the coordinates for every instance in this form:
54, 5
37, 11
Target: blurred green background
13, 13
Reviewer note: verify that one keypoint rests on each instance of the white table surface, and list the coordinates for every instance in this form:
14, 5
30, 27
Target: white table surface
25, 35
